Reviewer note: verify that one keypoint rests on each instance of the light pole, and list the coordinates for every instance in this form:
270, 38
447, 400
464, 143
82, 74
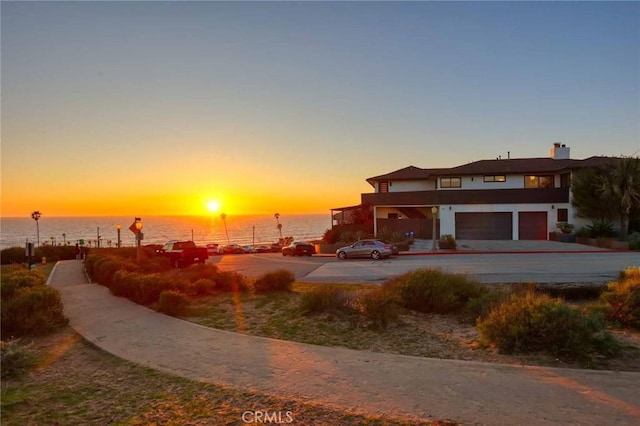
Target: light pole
138, 222
434, 214
118, 227
224, 219
36, 216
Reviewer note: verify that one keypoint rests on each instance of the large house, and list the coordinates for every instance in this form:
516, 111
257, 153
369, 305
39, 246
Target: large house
501, 199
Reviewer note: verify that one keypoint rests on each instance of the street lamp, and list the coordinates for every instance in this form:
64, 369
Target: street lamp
138, 222
224, 219
118, 227
434, 214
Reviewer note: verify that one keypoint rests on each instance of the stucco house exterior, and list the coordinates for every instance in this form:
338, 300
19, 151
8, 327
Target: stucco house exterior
501, 199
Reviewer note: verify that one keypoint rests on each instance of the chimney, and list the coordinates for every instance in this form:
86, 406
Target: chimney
560, 151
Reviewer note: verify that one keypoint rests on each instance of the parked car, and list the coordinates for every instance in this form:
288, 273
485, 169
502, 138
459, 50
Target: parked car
232, 249
299, 248
263, 249
248, 249
183, 253
214, 249
375, 249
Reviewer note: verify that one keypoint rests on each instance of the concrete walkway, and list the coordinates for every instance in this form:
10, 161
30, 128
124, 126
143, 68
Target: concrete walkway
357, 381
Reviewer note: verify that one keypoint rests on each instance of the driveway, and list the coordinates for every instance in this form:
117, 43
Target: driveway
498, 267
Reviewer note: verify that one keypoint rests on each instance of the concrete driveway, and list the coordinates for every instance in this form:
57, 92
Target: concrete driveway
487, 261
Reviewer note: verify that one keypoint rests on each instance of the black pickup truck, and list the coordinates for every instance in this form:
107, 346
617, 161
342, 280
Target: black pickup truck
183, 253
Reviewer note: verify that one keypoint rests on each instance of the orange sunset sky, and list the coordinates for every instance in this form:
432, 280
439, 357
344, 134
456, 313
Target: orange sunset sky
164, 108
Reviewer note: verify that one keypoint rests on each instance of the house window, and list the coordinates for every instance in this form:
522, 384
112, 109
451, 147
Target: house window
384, 186
452, 182
538, 181
495, 178
565, 180
563, 215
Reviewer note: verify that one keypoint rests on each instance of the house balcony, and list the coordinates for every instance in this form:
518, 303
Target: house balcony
475, 196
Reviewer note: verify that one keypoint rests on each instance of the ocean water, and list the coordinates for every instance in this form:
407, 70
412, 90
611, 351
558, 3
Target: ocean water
249, 229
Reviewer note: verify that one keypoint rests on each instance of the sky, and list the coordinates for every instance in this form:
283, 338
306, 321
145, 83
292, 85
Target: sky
159, 108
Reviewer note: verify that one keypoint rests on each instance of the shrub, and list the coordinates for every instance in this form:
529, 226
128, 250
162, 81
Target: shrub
324, 298
622, 299
379, 306
565, 227
447, 241
203, 287
280, 280
15, 358
430, 290
105, 271
228, 281
480, 306
16, 277
533, 322
331, 236
601, 228
12, 255
173, 303
31, 311
634, 241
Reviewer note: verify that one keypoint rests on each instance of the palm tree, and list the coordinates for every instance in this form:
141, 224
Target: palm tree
620, 185
279, 226
36, 215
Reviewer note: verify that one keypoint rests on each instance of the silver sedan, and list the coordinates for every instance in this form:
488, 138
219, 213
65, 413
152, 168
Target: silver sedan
375, 249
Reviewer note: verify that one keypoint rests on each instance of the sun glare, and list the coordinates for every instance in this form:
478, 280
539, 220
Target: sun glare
213, 206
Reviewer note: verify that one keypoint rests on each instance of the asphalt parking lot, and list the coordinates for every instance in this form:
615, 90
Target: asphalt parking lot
551, 267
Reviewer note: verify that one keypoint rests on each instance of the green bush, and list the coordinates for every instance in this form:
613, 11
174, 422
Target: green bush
634, 241
324, 298
106, 270
601, 228
12, 255
31, 311
15, 277
203, 287
173, 303
228, 281
379, 306
16, 358
533, 322
479, 307
622, 299
430, 290
280, 280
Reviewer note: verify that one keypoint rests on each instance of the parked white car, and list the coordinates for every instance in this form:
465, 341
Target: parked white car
375, 249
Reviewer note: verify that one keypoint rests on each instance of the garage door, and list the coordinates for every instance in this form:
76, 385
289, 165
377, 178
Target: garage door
532, 225
484, 226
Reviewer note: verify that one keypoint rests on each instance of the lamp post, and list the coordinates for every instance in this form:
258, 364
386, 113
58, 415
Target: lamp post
138, 222
434, 214
224, 219
118, 227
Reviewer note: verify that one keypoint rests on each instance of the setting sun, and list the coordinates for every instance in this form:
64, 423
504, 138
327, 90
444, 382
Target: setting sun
213, 206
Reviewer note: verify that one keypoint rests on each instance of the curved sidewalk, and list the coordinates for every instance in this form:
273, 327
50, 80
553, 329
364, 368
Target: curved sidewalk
357, 381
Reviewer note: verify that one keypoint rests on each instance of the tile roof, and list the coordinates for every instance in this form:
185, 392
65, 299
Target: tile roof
502, 166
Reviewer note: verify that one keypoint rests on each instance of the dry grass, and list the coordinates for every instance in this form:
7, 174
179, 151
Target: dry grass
76, 383
427, 335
